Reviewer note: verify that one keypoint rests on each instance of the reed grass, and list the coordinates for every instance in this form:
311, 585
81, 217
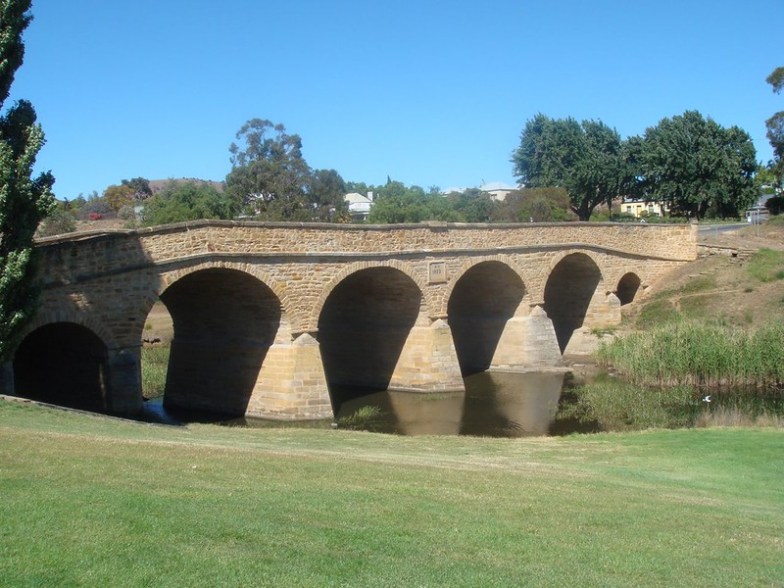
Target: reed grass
155, 361
692, 353
611, 404
767, 265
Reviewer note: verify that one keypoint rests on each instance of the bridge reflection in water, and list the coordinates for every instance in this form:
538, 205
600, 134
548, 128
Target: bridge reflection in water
495, 404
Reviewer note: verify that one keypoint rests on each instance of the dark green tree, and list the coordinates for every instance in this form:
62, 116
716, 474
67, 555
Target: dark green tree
140, 186
396, 203
472, 205
184, 201
24, 201
586, 159
326, 193
775, 125
696, 166
269, 175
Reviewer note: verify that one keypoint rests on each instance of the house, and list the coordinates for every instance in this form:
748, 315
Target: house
759, 212
358, 205
641, 208
497, 191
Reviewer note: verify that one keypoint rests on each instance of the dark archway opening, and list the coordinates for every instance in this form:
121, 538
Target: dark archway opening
628, 287
224, 323
568, 294
362, 330
63, 364
482, 301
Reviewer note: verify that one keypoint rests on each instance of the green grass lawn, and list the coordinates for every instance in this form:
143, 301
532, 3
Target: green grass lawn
94, 501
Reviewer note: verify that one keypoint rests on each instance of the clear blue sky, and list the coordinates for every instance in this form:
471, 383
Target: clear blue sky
426, 92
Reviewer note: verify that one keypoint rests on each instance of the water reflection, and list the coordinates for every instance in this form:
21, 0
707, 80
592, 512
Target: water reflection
495, 404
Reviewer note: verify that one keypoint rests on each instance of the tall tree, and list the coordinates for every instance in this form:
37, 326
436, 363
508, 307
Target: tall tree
269, 175
775, 125
696, 166
586, 159
326, 192
24, 200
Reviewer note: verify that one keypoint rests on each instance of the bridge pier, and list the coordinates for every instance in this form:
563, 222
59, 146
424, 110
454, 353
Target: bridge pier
291, 384
7, 378
428, 361
123, 381
527, 342
602, 313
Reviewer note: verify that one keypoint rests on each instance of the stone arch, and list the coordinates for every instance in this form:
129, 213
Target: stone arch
363, 327
482, 300
573, 281
628, 287
44, 317
225, 321
355, 267
64, 363
466, 266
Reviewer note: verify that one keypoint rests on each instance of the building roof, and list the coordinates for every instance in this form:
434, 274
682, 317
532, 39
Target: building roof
356, 198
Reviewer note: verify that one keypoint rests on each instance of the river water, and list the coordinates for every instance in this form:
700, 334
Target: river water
494, 404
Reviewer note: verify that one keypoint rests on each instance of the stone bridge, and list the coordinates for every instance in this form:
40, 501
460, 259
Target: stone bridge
283, 320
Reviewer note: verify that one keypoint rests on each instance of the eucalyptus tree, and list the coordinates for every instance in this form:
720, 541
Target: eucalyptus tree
269, 175
24, 200
775, 125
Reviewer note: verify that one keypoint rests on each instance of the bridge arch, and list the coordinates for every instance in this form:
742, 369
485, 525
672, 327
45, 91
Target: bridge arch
225, 321
573, 281
628, 288
363, 326
170, 277
356, 267
480, 303
63, 363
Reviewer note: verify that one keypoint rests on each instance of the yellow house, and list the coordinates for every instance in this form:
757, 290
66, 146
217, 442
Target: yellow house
641, 208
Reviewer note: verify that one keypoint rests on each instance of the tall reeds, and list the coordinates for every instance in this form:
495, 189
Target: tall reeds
691, 353
155, 361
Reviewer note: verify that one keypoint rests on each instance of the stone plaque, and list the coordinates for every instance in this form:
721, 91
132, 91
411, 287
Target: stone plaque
436, 273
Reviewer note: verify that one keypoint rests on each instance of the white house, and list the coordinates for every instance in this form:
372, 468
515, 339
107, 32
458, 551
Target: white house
358, 205
497, 191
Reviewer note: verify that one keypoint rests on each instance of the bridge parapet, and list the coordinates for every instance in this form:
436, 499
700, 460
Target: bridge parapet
75, 255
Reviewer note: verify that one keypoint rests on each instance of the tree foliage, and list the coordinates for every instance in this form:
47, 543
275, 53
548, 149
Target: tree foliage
775, 126
118, 196
326, 192
696, 166
586, 159
184, 201
271, 180
140, 186
62, 219
269, 175
535, 205
24, 200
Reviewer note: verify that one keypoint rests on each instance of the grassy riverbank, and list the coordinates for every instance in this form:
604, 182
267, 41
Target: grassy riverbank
93, 501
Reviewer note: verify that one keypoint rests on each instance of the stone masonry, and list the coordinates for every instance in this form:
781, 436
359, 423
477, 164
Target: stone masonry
107, 282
